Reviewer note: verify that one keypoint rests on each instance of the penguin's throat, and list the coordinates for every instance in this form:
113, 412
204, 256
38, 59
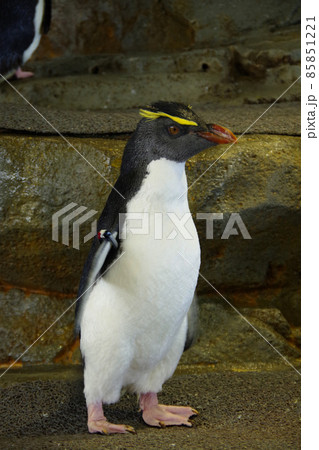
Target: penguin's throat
160, 205
164, 184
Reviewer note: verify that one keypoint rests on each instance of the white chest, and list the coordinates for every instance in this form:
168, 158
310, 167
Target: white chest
160, 244
158, 225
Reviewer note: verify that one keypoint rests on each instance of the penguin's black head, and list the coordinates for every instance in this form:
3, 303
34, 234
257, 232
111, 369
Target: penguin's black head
173, 131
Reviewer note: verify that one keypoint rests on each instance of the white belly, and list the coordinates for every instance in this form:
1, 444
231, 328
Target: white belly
141, 303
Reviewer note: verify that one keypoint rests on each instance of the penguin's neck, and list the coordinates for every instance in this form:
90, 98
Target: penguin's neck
163, 188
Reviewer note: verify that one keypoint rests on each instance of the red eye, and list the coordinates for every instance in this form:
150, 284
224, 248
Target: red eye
173, 130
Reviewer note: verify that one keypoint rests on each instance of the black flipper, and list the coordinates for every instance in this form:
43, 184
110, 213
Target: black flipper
99, 260
192, 324
46, 17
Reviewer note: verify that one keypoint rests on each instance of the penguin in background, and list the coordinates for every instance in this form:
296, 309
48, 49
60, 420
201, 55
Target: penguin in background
135, 311
21, 24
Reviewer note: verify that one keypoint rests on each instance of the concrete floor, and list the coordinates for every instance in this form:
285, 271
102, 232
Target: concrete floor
43, 407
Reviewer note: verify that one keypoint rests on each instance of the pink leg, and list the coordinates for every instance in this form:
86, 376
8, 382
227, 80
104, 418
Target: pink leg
163, 415
97, 422
21, 74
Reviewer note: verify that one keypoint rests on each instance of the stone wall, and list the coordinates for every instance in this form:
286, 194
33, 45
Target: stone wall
259, 179
102, 60
86, 27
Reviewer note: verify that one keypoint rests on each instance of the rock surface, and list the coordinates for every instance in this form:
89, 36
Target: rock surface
223, 76
101, 92
77, 27
280, 119
35, 325
41, 328
257, 178
240, 339
256, 66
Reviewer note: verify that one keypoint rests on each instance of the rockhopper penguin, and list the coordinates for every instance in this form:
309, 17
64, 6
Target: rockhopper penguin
21, 24
138, 281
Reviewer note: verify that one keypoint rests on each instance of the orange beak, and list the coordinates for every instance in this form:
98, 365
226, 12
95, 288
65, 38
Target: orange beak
218, 135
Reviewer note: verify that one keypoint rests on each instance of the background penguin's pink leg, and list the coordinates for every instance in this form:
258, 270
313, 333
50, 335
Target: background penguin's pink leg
21, 74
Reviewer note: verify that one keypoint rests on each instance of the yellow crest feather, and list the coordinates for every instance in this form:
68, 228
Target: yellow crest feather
151, 115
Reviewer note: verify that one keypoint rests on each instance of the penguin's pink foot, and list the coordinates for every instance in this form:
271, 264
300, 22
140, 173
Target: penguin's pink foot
157, 415
104, 427
21, 74
97, 422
